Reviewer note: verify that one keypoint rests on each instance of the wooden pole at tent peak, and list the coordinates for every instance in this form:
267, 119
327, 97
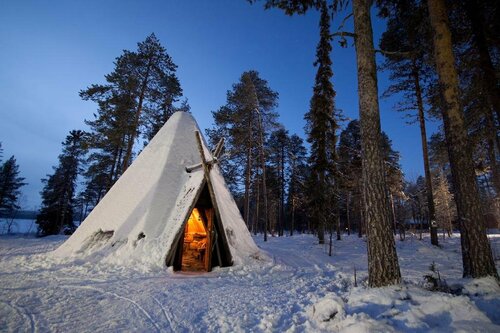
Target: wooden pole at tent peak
206, 174
218, 149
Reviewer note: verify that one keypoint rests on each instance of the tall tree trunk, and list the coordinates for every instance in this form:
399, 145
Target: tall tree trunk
309, 225
348, 199
425, 153
117, 172
490, 85
282, 191
248, 172
476, 252
490, 80
383, 266
257, 203
330, 245
263, 165
361, 216
336, 196
113, 167
291, 194
62, 214
337, 219
421, 220
321, 214
137, 117
393, 212
494, 166
402, 227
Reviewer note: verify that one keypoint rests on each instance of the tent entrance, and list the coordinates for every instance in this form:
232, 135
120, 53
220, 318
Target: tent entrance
201, 243
196, 242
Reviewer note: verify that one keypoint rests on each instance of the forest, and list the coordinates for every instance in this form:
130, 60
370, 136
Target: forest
344, 177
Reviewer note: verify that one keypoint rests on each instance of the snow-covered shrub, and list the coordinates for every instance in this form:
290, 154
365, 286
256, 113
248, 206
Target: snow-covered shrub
433, 281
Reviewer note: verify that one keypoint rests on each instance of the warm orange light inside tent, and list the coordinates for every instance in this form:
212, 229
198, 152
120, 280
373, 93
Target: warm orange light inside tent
195, 224
195, 243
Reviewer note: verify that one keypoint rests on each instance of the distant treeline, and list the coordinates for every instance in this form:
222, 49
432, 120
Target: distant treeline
19, 215
29, 215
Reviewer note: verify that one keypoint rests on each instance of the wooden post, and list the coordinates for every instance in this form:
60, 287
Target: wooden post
206, 173
218, 148
264, 188
209, 214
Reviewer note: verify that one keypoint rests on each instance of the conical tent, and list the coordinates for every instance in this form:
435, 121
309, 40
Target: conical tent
167, 210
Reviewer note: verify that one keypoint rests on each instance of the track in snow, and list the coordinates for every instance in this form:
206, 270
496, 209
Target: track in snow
274, 296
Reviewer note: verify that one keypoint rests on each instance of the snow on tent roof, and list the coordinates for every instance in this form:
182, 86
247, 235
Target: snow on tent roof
140, 218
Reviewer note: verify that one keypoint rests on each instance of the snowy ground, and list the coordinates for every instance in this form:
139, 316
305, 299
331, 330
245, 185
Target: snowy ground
301, 290
17, 226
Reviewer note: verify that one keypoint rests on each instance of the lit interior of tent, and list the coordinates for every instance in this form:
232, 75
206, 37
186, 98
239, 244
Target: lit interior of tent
194, 250
201, 245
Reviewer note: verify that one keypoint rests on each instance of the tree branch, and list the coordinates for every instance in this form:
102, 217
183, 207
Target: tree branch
343, 34
408, 54
341, 26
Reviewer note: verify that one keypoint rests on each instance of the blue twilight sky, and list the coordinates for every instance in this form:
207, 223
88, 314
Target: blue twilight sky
50, 50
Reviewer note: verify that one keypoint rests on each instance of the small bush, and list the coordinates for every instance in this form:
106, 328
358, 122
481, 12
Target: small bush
433, 281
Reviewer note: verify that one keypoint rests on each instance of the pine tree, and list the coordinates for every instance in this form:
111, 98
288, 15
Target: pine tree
10, 184
350, 168
58, 194
394, 176
406, 42
157, 119
245, 122
108, 137
383, 264
96, 183
480, 89
445, 206
476, 251
297, 171
417, 193
470, 27
154, 73
472, 43
321, 124
438, 153
138, 98
383, 267
278, 150
482, 27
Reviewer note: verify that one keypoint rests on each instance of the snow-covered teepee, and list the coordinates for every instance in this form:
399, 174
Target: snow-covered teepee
170, 208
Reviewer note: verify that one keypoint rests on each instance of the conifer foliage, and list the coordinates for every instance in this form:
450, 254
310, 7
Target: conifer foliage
445, 207
139, 96
476, 251
278, 148
245, 121
350, 184
407, 45
321, 129
297, 171
349, 153
10, 185
58, 194
382, 257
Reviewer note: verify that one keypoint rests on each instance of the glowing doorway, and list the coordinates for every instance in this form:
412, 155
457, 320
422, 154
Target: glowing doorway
195, 256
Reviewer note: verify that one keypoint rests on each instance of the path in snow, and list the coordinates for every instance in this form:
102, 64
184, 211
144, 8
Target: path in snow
296, 292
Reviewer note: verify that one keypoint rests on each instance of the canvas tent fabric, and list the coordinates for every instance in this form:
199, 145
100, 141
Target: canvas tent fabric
138, 220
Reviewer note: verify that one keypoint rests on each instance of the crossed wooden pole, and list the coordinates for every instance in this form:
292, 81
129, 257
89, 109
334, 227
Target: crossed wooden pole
215, 155
207, 167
